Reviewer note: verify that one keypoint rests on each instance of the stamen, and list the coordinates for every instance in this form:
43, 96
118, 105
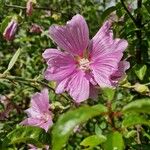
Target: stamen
84, 64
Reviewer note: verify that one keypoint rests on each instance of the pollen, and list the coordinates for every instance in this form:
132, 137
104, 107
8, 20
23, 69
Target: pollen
84, 64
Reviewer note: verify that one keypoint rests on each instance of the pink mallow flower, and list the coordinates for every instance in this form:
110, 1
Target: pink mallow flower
10, 30
39, 114
83, 64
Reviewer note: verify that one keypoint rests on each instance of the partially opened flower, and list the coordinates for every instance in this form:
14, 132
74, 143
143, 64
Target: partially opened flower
83, 63
10, 30
39, 114
35, 28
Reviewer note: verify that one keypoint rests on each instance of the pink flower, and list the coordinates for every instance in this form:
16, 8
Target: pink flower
83, 63
39, 114
35, 28
10, 30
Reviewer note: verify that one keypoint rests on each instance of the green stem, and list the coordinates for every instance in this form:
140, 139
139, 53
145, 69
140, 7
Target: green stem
23, 8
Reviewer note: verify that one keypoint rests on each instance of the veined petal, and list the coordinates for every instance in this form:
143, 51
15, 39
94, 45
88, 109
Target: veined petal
74, 37
61, 87
51, 53
40, 101
33, 112
103, 68
60, 64
31, 121
119, 45
103, 42
78, 86
120, 72
46, 125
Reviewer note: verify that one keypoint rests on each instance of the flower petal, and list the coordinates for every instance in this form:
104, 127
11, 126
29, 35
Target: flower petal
60, 64
103, 42
46, 125
32, 122
40, 102
120, 72
61, 87
33, 112
78, 86
74, 37
103, 68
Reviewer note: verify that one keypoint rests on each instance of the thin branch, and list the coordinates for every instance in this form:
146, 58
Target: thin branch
14, 6
139, 32
128, 12
23, 8
147, 83
16, 78
138, 130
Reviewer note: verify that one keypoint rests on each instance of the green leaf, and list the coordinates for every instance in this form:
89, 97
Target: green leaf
98, 130
135, 119
119, 9
114, 141
5, 23
141, 147
140, 106
68, 121
27, 134
13, 60
130, 134
140, 71
107, 12
108, 93
93, 140
147, 6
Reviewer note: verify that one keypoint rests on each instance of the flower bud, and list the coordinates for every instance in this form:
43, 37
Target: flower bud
29, 7
10, 30
35, 28
141, 88
130, 7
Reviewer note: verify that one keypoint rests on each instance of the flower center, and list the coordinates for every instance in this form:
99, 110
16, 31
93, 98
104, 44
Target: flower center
84, 64
46, 117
